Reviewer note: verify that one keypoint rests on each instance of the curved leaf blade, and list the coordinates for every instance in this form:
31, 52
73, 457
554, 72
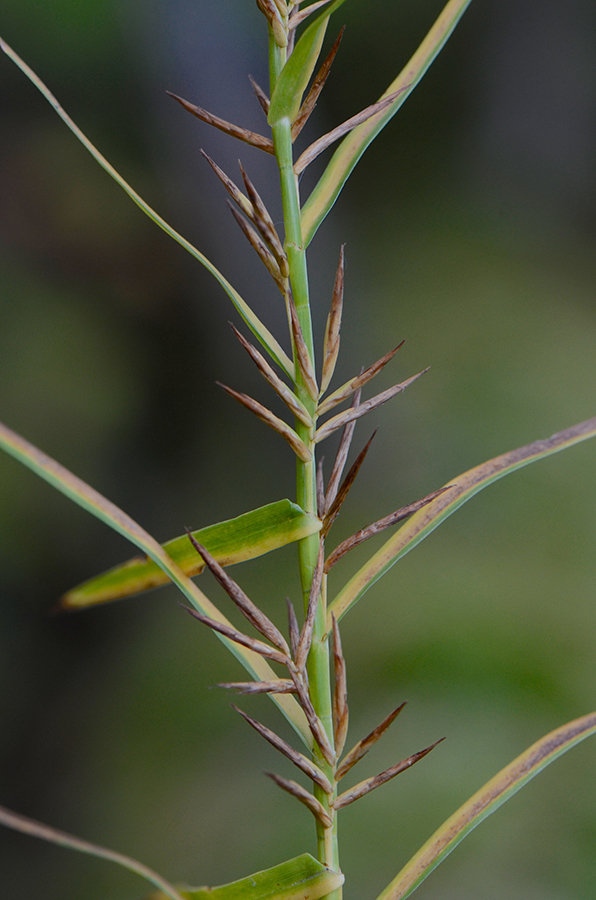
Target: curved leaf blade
348, 153
259, 330
92, 501
462, 489
236, 540
301, 878
36, 829
488, 799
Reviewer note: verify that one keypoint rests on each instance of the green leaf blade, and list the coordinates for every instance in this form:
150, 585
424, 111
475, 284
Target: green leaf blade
295, 75
353, 146
462, 489
301, 878
486, 801
236, 540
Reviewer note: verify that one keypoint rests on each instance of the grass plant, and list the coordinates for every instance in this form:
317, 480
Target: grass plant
303, 671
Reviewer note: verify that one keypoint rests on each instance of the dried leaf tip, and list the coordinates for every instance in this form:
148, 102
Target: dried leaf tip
331, 342
302, 354
301, 794
250, 610
300, 761
318, 83
340, 694
363, 746
242, 134
365, 787
277, 424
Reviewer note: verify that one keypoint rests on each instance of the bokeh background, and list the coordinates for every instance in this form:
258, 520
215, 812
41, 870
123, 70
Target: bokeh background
470, 228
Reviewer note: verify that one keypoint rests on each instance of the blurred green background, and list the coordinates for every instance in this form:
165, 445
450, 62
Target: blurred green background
470, 229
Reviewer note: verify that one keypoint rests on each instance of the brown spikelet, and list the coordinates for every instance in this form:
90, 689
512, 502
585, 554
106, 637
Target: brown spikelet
260, 95
365, 533
320, 488
355, 412
298, 16
326, 140
311, 611
302, 354
249, 610
249, 137
261, 248
278, 425
344, 489
316, 88
331, 343
239, 638
304, 764
293, 627
316, 726
232, 189
281, 686
365, 787
342, 456
347, 389
264, 223
271, 12
363, 746
301, 794
340, 694
280, 388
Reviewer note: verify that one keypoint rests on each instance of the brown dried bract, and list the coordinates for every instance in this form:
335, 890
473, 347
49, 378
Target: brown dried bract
363, 746
242, 134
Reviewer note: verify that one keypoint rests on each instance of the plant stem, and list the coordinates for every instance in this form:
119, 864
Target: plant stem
308, 548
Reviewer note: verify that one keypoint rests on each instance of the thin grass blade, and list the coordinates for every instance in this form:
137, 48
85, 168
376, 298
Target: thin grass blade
462, 489
302, 878
262, 334
353, 146
488, 799
236, 540
36, 829
92, 501
333, 327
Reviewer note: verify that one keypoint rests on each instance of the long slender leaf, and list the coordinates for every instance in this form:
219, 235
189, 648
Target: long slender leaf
92, 501
353, 146
36, 829
302, 878
486, 801
254, 323
463, 488
297, 72
235, 540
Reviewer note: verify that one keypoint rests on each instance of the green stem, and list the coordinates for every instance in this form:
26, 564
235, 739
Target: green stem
308, 548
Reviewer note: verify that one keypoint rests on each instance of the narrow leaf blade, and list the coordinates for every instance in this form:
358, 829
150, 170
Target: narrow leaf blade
92, 501
488, 799
236, 540
302, 878
465, 486
254, 323
353, 146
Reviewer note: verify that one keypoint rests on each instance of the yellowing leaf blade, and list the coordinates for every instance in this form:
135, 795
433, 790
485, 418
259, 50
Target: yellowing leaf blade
245, 537
462, 488
488, 799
